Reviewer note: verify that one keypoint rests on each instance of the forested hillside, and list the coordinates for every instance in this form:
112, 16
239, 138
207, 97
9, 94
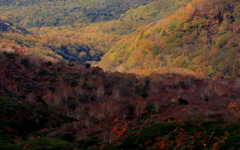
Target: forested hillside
56, 105
203, 37
185, 93
36, 13
10, 27
14, 38
100, 34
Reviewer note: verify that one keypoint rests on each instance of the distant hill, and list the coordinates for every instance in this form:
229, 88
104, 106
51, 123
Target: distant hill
202, 36
36, 13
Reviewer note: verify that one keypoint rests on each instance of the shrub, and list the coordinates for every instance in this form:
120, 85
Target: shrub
49, 63
222, 40
232, 142
172, 136
87, 65
233, 45
10, 55
150, 108
183, 101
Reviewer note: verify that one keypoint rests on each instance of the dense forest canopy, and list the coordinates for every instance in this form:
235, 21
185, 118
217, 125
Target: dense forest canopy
36, 13
203, 36
114, 75
15, 38
98, 36
56, 105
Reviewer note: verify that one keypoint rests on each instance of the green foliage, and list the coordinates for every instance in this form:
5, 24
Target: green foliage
233, 44
172, 136
133, 141
8, 146
191, 27
154, 49
221, 41
210, 71
47, 143
232, 142
7, 107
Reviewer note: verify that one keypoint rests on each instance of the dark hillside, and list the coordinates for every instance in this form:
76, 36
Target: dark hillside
10, 27
76, 106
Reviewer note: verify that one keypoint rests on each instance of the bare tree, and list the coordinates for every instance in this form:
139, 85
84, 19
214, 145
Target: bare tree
100, 92
116, 93
139, 108
88, 123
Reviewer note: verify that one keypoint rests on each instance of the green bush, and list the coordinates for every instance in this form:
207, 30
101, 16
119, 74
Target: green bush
7, 107
232, 142
172, 136
46, 144
8, 146
222, 40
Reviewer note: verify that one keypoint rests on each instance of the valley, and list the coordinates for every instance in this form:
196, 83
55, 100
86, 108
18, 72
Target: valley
104, 74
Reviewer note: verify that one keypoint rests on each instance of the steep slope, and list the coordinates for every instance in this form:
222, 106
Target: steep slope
202, 36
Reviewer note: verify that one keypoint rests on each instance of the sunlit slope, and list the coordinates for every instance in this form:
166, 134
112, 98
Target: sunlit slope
202, 36
104, 34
